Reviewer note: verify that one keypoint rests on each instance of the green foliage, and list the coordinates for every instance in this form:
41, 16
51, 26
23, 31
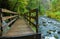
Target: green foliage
12, 3
32, 4
55, 15
55, 11
21, 4
42, 9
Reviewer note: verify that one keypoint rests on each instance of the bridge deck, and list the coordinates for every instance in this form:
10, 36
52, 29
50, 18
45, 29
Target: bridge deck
19, 28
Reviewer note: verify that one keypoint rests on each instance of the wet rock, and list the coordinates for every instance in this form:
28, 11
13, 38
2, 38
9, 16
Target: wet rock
49, 22
58, 32
49, 32
56, 36
54, 30
44, 24
49, 26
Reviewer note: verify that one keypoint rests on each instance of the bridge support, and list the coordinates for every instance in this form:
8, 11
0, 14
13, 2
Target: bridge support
0, 23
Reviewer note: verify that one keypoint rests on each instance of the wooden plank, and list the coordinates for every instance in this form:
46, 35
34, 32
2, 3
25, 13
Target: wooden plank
32, 36
19, 28
11, 22
8, 11
8, 17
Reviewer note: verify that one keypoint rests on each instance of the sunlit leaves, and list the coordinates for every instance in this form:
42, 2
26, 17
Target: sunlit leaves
22, 5
33, 4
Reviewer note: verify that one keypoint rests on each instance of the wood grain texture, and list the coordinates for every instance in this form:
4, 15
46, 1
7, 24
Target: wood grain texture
19, 28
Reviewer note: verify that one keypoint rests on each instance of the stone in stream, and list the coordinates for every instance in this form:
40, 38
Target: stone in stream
49, 22
49, 32
56, 36
54, 30
49, 27
58, 32
44, 24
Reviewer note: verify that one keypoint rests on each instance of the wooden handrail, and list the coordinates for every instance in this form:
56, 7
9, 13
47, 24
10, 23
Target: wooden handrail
11, 22
8, 17
31, 22
12, 16
31, 17
34, 17
8, 11
8, 24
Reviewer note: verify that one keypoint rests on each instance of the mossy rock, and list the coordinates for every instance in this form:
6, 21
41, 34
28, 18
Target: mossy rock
58, 32
56, 36
44, 24
49, 32
54, 30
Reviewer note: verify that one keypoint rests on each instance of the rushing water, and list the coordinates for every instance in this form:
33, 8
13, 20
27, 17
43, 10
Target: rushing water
49, 28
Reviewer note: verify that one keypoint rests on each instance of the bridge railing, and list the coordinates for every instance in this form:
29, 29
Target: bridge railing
28, 16
9, 17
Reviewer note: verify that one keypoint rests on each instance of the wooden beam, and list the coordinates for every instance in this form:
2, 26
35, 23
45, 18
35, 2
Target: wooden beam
31, 22
8, 17
11, 22
1, 23
34, 17
8, 11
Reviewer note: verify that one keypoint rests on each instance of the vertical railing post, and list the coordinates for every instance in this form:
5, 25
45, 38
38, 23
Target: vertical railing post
36, 20
37, 37
29, 17
1, 22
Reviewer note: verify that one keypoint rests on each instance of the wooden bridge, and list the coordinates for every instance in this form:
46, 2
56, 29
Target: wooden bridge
19, 27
